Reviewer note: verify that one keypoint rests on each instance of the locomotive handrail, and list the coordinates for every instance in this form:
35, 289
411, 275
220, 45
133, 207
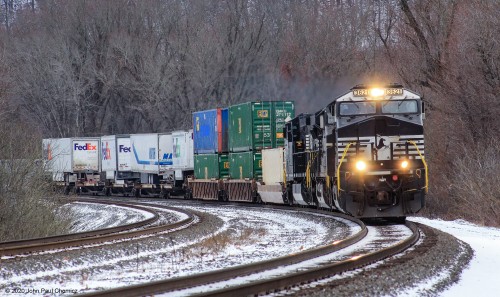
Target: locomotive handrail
340, 163
425, 165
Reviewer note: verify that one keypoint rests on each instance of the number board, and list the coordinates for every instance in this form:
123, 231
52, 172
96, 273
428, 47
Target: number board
387, 92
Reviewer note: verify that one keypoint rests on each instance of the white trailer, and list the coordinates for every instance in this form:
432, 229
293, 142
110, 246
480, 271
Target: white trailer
74, 162
145, 161
116, 157
176, 161
273, 177
57, 157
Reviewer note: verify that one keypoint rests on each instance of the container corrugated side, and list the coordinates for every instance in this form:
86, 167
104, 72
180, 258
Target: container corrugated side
224, 166
205, 130
224, 148
250, 126
245, 165
272, 166
145, 153
206, 166
282, 111
85, 154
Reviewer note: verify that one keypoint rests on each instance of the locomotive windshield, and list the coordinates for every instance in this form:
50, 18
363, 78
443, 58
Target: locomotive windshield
400, 106
357, 108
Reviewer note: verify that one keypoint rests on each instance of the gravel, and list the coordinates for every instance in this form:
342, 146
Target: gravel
437, 253
224, 236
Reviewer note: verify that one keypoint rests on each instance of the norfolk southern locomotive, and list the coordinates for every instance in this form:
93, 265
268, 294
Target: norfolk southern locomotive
363, 154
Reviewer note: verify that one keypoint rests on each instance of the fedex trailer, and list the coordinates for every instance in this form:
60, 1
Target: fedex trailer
74, 163
145, 161
116, 157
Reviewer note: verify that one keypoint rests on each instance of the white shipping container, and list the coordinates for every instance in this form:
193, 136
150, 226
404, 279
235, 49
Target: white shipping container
124, 153
165, 148
57, 156
182, 152
272, 166
108, 154
145, 153
85, 154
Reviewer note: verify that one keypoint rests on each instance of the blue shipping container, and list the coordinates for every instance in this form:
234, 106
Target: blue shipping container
210, 131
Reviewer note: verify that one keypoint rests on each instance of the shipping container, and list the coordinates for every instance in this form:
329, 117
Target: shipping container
208, 166
283, 111
271, 188
250, 126
145, 153
273, 166
57, 156
245, 165
210, 128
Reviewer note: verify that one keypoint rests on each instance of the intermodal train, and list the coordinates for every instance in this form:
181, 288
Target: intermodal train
362, 154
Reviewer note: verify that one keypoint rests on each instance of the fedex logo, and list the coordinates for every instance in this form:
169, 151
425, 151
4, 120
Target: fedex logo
84, 147
124, 149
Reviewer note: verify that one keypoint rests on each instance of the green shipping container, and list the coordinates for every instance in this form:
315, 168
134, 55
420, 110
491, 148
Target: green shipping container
282, 110
250, 126
211, 166
245, 165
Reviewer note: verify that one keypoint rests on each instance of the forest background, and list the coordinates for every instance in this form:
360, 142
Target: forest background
91, 68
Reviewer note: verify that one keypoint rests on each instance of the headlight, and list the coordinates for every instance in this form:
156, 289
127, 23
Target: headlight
360, 165
376, 92
404, 164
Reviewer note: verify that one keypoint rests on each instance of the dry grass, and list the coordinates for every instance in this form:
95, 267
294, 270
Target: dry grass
468, 186
23, 185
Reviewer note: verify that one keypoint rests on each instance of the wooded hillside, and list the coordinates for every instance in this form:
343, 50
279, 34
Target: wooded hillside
103, 67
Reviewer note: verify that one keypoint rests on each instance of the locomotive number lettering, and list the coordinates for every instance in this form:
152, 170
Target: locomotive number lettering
391, 92
361, 92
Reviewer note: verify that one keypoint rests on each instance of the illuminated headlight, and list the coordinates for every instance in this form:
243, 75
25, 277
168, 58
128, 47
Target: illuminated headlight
404, 164
360, 165
376, 92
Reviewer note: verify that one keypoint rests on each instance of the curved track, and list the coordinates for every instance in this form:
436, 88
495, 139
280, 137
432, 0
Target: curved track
285, 280
12, 248
184, 282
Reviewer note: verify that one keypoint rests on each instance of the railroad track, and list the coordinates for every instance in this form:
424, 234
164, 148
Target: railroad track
12, 248
190, 285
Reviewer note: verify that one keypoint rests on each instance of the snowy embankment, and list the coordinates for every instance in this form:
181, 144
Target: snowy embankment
482, 276
92, 216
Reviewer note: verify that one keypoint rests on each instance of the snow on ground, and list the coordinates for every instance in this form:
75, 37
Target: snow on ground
482, 277
92, 216
274, 234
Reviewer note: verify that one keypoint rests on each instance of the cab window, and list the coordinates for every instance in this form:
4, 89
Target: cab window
357, 108
400, 107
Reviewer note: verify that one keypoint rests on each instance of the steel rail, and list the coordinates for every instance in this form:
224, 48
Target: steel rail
225, 274
320, 272
28, 247
91, 233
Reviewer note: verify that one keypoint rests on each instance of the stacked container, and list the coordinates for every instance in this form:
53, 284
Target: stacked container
254, 126
210, 135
